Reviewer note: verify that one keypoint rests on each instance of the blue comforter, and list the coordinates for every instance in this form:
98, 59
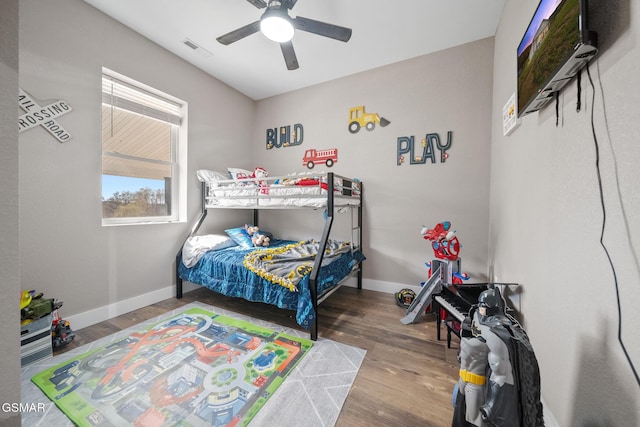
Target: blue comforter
223, 271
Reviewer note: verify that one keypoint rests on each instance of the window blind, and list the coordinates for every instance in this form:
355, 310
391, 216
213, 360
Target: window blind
120, 94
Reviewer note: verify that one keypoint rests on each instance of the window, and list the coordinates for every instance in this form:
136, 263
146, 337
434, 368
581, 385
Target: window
143, 153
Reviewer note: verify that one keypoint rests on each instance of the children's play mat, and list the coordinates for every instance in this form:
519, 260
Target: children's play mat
197, 368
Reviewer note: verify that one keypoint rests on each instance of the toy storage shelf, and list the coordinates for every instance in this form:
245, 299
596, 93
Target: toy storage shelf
35, 340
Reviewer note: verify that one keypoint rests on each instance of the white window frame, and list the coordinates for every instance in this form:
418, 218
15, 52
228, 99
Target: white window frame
179, 146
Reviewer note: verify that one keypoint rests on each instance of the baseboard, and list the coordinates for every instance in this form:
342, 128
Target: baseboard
381, 286
100, 314
106, 312
549, 419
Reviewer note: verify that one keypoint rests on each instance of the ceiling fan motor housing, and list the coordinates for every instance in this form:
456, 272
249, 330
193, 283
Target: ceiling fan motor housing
275, 23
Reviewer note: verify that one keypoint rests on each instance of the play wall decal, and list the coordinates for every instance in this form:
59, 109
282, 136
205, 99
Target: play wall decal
43, 114
417, 154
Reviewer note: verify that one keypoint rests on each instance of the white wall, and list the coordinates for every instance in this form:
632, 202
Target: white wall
9, 259
445, 91
65, 252
546, 220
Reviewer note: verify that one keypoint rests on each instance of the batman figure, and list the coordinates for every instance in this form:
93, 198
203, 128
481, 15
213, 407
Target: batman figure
499, 381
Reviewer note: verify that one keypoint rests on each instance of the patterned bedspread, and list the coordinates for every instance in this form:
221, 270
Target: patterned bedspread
223, 271
287, 265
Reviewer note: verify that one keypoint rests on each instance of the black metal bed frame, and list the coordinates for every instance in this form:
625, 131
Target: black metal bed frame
313, 278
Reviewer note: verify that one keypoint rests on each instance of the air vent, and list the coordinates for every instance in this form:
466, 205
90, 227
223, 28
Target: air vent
195, 46
191, 44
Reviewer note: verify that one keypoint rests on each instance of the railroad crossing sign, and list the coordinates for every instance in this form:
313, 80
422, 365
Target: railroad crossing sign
37, 115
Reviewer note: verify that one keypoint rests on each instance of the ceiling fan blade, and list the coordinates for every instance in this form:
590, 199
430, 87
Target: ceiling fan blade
322, 28
260, 4
288, 4
289, 55
240, 33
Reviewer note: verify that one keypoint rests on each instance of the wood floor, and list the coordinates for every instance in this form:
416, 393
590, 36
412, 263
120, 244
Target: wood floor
405, 380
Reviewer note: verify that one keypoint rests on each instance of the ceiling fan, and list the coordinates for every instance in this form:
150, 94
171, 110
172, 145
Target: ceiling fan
276, 24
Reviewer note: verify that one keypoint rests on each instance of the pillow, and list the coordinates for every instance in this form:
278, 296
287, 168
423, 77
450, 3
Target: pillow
205, 175
308, 181
196, 246
237, 173
240, 236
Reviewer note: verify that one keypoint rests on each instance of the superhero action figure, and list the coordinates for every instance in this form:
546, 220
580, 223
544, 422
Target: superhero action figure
499, 381
444, 241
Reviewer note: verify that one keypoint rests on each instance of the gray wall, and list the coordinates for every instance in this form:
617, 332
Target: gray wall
445, 91
65, 252
546, 220
9, 260
545, 216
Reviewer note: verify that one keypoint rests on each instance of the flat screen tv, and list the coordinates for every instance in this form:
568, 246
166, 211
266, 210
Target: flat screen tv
556, 45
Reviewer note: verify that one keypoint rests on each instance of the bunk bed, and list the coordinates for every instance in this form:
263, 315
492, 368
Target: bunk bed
228, 270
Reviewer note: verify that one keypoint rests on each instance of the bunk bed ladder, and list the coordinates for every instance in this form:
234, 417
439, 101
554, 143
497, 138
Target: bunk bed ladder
358, 229
194, 229
313, 279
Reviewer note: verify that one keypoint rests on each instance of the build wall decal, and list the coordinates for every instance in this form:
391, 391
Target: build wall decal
285, 136
42, 115
426, 149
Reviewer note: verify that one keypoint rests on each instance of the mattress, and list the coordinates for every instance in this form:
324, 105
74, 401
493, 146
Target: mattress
291, 191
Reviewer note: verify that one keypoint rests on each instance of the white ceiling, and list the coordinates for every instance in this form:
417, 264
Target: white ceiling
384, 32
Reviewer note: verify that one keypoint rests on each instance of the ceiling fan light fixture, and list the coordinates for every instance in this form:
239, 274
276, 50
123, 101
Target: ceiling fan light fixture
276, 26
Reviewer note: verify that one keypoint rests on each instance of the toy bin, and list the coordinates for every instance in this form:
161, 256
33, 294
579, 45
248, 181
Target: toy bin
35, 340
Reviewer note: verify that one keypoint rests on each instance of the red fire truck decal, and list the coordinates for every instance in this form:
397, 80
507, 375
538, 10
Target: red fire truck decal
313, 157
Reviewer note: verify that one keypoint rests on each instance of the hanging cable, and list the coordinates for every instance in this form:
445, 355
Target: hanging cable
557, 107
604, 221
579, 83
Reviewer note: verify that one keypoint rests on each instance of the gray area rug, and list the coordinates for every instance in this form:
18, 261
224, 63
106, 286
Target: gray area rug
312, 395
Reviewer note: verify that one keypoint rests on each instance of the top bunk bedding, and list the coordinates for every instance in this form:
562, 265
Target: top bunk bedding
246, 189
